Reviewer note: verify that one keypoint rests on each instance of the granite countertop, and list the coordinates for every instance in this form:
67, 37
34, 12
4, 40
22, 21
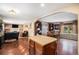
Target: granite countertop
42, 40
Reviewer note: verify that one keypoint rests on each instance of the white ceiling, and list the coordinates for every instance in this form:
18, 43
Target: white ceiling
27, 12
60, 17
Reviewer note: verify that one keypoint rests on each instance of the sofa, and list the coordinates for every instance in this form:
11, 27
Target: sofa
11, 35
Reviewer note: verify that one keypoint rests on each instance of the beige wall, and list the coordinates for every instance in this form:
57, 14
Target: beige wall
31, 28
21, 28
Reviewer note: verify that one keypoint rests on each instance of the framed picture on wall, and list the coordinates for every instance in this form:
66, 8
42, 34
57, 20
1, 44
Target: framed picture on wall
68, 29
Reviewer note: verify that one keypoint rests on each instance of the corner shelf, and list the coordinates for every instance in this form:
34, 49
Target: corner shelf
38, 28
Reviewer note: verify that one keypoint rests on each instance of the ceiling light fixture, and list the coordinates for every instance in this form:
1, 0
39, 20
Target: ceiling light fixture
42, 4
12, 12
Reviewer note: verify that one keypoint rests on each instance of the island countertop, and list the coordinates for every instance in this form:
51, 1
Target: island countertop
42, 40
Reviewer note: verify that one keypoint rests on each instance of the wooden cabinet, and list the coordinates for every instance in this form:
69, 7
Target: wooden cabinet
49, 49
39, 49
54, 30
50, 26
31, 47
36, 49
54, 27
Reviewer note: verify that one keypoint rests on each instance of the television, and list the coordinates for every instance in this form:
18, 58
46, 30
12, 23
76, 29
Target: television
14, 26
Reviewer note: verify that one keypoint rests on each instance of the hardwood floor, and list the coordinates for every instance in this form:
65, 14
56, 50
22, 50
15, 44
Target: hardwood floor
15, 48
65, 47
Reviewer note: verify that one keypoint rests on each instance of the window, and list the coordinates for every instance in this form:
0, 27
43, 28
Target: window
68, 29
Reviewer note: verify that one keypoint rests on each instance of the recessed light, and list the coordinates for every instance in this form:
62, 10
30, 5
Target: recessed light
12, 12
42, 4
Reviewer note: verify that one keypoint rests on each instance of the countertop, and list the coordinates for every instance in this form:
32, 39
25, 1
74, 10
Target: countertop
42, 40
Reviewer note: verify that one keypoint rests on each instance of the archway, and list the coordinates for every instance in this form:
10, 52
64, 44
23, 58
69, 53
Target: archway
62, 25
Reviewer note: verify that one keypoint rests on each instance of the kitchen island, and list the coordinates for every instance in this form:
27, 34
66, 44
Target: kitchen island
42, 45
